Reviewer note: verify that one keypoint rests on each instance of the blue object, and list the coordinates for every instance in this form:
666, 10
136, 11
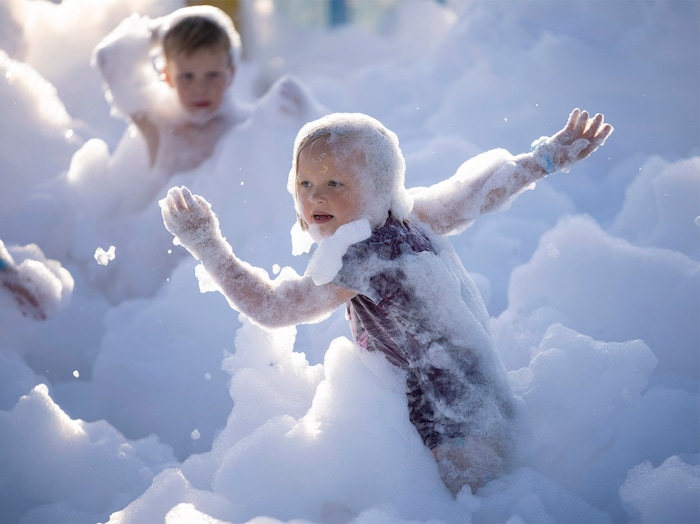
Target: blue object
546, 162
542, 157
338, 12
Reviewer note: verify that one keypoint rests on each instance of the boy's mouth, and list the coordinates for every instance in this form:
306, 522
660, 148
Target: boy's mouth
321, 219
203, 103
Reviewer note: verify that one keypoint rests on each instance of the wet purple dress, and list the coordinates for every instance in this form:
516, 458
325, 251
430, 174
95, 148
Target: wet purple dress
416, 304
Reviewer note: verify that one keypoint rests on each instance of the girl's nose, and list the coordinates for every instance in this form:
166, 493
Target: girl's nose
318, 195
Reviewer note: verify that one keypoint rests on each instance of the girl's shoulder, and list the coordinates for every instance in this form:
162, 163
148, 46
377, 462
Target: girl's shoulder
395, 238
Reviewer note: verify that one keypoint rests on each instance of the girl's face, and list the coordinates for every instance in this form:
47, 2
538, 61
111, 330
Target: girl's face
200, 79
329, 192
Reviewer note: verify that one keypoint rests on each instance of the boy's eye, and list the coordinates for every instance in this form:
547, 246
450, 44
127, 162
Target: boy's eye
333, 183
304, 183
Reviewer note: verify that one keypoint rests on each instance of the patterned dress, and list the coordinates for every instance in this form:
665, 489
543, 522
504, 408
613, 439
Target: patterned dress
416, 304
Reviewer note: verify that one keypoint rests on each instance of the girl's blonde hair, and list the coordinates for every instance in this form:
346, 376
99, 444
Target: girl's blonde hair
383, 164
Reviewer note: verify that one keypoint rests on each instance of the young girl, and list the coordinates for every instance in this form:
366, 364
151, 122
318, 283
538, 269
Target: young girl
381, 253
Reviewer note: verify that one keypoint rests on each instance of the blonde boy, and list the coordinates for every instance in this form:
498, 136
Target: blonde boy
171, 77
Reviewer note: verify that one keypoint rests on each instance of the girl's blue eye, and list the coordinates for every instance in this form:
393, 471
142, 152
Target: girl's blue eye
305, 183
333, 183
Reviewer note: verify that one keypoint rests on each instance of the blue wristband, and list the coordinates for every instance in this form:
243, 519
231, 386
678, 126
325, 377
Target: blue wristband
542, 157
545, 161
3, 264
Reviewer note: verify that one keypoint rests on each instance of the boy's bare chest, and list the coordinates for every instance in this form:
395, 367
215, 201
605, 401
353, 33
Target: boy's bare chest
185, 147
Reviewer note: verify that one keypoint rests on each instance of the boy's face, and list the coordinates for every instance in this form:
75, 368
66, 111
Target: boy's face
200, 79
329, 192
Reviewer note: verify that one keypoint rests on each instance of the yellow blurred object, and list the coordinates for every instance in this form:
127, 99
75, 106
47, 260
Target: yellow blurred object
230, 7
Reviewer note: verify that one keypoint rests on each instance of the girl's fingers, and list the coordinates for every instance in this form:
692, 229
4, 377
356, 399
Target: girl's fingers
189, 199
573, 119
175, 200
202, 202
581, 123
604, 133
194, 203
598, 139
182, 199
594, 126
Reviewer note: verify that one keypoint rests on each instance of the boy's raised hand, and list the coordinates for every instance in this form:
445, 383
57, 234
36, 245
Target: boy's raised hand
577, 140
189, 218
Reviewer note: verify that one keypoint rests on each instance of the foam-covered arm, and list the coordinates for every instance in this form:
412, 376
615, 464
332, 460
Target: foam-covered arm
451, 205
491, 180
248, 289
123, 59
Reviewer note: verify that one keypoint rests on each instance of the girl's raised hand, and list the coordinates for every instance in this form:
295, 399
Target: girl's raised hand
577, 140
189, 217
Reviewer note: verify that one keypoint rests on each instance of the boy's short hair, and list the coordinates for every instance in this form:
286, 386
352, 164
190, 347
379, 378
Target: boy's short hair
194, 33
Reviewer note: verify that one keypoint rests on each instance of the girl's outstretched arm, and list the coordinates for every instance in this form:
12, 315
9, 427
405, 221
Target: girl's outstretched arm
248, 289
490, 180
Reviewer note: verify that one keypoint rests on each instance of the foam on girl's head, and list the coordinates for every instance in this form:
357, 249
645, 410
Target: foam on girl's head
383, 166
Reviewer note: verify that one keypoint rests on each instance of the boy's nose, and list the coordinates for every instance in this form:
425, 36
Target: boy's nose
201, 85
